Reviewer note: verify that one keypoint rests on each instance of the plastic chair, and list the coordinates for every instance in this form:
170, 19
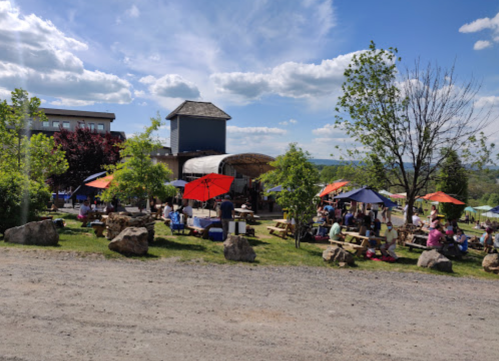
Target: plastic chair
175, 223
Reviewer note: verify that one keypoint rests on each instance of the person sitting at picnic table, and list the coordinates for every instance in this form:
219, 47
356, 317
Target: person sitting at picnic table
186, 209
487, 240
388, 248
247, 204
84, 213
167, 210
377, 227
109, 208
322, 215
335, 231
433, 214
461, 240
435, 238
477, 225
416, 220
349, 221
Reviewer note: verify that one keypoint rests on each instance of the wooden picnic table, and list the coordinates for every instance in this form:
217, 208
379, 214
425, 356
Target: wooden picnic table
282, 227
361, 242
245, 214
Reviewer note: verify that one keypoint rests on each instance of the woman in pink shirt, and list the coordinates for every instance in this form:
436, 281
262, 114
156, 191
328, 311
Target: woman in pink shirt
435, 238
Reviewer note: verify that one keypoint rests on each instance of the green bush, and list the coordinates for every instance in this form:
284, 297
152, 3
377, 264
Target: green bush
21, 199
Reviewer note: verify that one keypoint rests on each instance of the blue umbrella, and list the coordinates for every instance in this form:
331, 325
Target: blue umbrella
275, 189
177, 183
495, 209
366, 195
93, 177
469, 209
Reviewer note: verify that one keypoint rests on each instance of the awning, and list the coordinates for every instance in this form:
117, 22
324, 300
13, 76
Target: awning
249, 164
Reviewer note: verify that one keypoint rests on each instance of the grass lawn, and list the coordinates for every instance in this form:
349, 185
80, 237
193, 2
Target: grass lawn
270, 250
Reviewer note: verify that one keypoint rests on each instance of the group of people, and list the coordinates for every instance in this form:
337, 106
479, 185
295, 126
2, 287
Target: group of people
87, 211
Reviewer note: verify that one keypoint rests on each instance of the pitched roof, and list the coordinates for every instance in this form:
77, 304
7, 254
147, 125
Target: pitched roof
199, 109
78, 113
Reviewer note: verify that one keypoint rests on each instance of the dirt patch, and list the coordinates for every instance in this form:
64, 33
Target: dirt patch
62, 306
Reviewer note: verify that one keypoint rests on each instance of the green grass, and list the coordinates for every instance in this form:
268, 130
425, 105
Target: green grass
270, 250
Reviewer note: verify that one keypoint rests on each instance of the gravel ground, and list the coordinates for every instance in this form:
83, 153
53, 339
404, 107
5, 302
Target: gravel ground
60, 306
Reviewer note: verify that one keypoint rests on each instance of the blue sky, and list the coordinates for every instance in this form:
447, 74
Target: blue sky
276, 66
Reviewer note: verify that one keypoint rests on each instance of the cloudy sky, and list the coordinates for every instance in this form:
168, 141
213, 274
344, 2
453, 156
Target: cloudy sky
276, 66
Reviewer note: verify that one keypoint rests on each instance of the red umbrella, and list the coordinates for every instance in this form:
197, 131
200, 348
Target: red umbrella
332, 187
101, 182
442, 198
209, 186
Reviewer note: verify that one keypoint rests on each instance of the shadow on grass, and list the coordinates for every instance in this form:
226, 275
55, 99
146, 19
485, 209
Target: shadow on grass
75, 230
256, 242
408, 261
161, 242
315, 252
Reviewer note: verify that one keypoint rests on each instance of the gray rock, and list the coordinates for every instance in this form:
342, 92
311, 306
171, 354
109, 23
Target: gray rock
490, 263
132, 241
42, 233
434, 260
339, 255
237, 248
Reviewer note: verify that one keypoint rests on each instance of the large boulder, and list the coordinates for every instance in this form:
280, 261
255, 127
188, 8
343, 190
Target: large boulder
132, 241
42, 233
237, 248
434, 260
337, 254
117, 222
490, 263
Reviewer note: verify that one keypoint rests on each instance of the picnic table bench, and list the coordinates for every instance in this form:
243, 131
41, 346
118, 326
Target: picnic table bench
360, 243
246, 214
282, 228
418, 241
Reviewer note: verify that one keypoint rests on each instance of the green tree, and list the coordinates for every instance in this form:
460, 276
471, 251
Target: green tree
43, 158
298, 178
137, 177
16, 121
453, 180
410, 121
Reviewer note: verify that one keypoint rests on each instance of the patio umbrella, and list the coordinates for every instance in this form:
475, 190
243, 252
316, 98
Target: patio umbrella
332, 187
490, 214
366, 195
483, 208
101, 182
494, 210
94, 176
442, 198
275, 189
470, 209
179, 183
385, 193
207, 187
398, 196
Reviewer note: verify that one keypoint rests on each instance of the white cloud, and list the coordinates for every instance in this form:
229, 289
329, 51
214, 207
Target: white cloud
248, 131
293, 121
38, 57
171, 86
71, 102
487, 101
288, 122
294, 80
483, 24
482, 44
133, 12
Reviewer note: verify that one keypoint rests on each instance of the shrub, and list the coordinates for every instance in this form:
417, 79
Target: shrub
21, 199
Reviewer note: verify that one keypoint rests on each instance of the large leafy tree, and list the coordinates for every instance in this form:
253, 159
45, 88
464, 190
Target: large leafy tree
137, 176
43, 158
298, 178
410, 121
453, 180
86, 152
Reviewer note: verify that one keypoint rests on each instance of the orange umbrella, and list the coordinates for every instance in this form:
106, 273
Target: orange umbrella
332, 187
442, 198
101, 182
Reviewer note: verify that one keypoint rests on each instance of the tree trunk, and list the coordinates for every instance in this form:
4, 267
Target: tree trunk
297, 233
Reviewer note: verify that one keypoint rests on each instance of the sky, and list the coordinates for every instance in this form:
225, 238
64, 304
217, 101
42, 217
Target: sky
275, 66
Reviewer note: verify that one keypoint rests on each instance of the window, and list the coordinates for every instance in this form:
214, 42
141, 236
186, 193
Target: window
100, 126
55, 124
45, 123
65, 125
91, 126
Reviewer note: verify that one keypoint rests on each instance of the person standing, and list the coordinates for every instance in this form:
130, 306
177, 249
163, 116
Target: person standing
226, 214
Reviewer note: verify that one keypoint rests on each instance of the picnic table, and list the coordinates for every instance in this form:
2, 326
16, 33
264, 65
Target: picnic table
245, 214
203, 225
358, 243
418, 241
282, 228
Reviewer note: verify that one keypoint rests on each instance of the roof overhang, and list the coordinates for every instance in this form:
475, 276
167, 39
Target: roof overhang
248, 164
